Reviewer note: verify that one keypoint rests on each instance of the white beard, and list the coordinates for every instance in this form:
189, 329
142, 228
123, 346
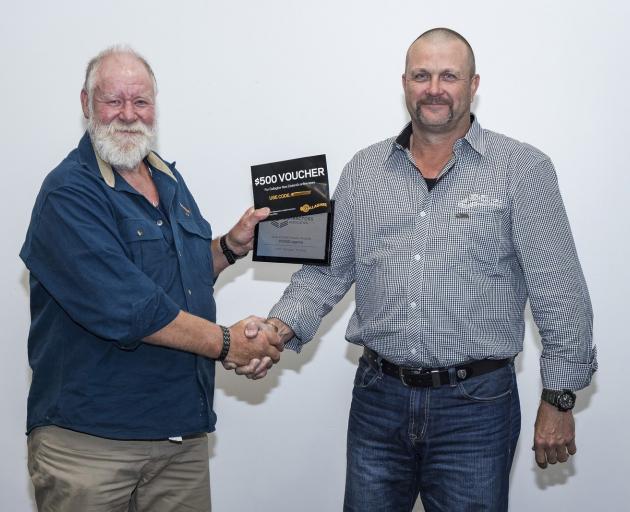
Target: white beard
121, 145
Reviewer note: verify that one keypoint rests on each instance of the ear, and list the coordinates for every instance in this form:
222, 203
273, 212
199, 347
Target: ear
404, 80
474, 85
84, 103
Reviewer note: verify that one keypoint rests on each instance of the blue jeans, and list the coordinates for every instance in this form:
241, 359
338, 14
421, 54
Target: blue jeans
453, 445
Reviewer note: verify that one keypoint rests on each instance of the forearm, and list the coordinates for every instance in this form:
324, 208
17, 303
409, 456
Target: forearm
249, 338
313, 292
219, 261
190, 333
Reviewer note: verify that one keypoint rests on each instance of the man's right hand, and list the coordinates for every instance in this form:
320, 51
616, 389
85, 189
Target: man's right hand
252, 339
257, 368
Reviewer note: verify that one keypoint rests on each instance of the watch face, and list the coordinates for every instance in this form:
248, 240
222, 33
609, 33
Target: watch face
566, 401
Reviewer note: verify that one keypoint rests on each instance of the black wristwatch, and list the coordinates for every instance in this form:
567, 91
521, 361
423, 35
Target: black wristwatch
229, 254
564, 400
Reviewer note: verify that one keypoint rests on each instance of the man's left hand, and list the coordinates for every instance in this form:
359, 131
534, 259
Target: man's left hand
240, 238
554, 435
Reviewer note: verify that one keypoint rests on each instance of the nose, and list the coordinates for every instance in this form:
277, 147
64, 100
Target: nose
128, 112
435, 88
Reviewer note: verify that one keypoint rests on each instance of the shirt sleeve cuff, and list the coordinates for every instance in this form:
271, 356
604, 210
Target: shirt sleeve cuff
303, 326
560, 374
150, 315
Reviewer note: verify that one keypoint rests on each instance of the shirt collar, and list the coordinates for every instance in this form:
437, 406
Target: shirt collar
474, 137
93, 161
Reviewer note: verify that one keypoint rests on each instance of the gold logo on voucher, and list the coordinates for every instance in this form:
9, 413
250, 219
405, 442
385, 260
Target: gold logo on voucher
305, 208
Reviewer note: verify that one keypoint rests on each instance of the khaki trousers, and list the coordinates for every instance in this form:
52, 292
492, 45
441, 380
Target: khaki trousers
74, 472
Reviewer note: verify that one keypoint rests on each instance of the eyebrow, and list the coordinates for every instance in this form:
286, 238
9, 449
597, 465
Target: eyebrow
110, 95
446, 70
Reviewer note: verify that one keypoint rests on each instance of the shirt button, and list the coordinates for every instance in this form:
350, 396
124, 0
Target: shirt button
159, 222
140, 232
417, 257
189, 291
423, 213
413, 351
413, 305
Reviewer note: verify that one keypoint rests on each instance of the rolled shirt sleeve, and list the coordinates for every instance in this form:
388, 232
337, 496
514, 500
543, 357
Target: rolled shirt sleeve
557, 290
315, 290
74, 249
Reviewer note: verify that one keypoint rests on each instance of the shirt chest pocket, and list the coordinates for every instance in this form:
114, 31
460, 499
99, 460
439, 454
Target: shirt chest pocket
383, 236
196, 239
145, 244
474, 239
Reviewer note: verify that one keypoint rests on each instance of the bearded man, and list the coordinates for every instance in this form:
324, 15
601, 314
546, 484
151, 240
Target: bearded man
123, 336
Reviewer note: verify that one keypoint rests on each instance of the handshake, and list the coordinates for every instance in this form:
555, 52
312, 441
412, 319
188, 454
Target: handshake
255, 345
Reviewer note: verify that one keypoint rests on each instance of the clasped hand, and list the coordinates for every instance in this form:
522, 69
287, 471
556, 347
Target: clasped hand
253, 343
257, 366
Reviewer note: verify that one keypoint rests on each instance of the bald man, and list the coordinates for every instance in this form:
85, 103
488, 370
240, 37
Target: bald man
446, 230
123, 336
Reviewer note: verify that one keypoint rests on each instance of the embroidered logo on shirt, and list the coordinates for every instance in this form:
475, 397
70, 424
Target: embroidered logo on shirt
186, 210
479, 200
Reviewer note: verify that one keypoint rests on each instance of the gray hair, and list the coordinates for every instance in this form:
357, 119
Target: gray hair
94, 64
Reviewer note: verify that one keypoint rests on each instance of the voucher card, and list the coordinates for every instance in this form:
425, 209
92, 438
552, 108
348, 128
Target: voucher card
292, 188
299, 228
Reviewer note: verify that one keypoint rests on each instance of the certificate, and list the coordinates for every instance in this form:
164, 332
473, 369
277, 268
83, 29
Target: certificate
299, 227
303, 239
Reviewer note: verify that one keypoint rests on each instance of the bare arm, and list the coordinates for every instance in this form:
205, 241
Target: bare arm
194, 334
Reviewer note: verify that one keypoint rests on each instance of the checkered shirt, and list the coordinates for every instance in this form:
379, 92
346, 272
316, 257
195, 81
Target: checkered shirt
442, 277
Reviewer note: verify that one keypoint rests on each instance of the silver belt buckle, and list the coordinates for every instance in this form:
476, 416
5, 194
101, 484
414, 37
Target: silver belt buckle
413, 371
402, 376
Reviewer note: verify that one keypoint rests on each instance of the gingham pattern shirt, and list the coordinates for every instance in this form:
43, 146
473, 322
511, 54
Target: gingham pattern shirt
442, 277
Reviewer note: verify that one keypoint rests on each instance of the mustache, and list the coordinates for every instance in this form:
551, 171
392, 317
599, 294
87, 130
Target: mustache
435, 100
135, 128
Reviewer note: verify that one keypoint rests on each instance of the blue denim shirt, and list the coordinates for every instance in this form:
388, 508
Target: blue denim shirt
107, 269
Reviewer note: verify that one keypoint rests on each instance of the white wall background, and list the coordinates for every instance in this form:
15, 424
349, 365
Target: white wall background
247, 82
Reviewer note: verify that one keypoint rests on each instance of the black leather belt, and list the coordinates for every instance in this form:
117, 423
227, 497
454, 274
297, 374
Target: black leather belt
434, 377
